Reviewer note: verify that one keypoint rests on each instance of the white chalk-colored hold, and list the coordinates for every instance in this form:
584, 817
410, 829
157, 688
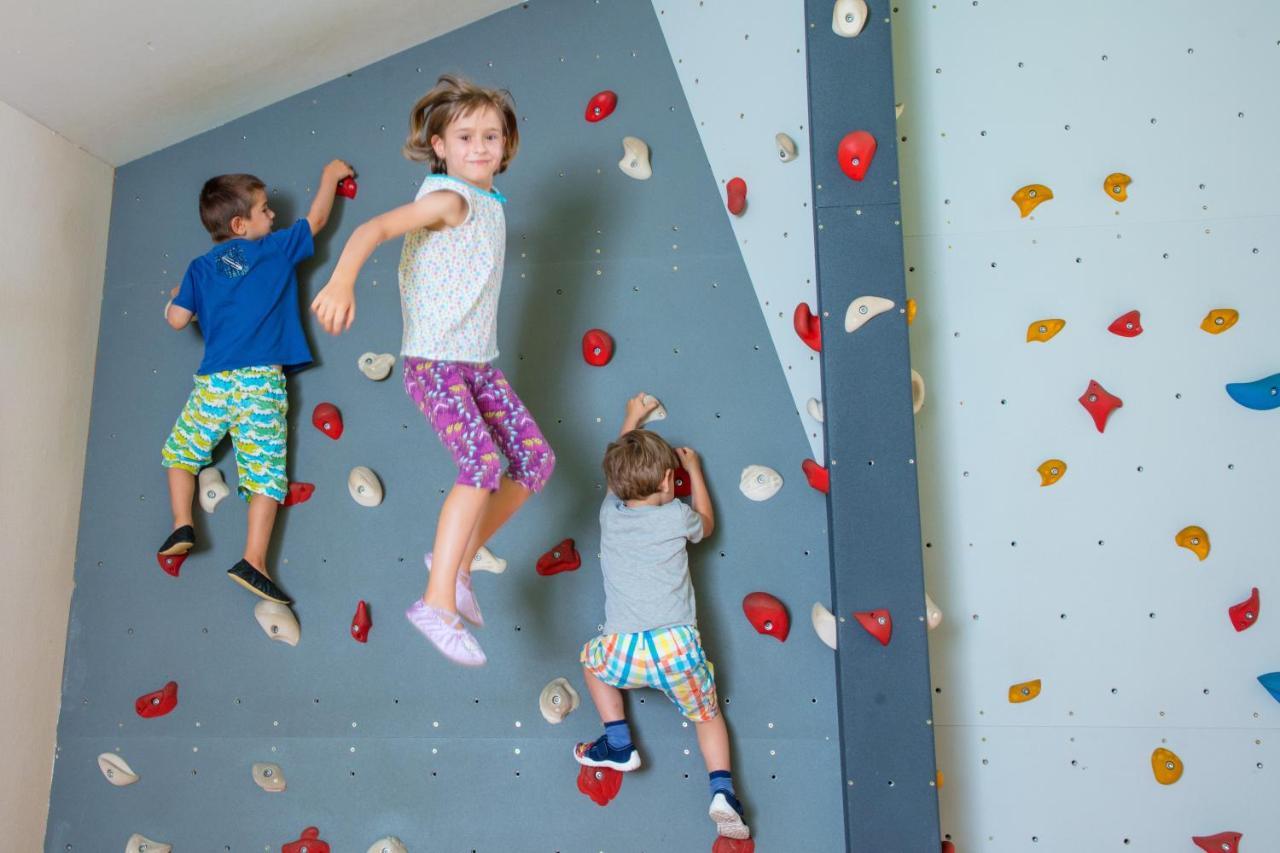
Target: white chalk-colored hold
932, 613
269, 777
658, 414
898, 109
212, 488
558, 700
917, 392
376, 366
277, 621
759, 482
635, 159
141, 844
849, 17
863, 309
485, 561
388, 844
787, 150
364, 486
824, 624
116, 769
814, 406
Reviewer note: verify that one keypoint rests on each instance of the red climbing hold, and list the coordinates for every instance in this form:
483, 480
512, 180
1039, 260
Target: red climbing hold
1099, 403
347, 188
808, 326
1127, 325
817, 476
878, 623
562, 558
736, 196
684, 488
172, 563
601, 106
361, 623
948, 847
328, 420
725, 844
1223, 842
159, 703
855, 153
299, 493
597, 347
1245, 614
601, 784
767, 615
308, 842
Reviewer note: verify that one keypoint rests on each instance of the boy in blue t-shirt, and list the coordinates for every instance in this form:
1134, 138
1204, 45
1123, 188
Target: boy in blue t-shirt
245, 293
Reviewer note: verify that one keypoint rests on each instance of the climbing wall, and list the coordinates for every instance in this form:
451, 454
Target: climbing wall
1079, 584
385, 737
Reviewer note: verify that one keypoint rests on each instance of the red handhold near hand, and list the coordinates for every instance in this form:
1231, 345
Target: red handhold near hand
684, 488
817, 476
855, 153
725, 844
601, 106
347, 188
1245, 614
299, 493
159, 703
562, 558
736, 196
1127, 325
361, 623
1223, 842
1099, 404
878, 623
948, 847
308, 842
808, 326
601, 784
767, 615
171, 564
597, 347
328, 420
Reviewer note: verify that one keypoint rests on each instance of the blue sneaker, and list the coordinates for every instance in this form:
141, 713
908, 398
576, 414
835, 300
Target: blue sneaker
599, 754
726, 811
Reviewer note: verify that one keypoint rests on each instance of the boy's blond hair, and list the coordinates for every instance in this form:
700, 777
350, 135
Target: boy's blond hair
451, 98
635, 464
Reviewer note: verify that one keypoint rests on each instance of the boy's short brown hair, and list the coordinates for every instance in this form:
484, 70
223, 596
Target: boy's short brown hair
225, 197
450, 98
635, 464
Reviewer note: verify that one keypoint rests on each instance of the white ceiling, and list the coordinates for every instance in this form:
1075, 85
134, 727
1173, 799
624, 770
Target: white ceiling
125, 78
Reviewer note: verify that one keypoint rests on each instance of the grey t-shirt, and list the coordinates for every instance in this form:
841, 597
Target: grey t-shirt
645, 566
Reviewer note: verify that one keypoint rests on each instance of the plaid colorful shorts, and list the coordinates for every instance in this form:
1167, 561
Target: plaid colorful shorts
669, 659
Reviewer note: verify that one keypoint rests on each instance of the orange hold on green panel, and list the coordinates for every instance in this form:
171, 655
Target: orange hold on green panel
1117, 186
911, 311
1024, 692
1166, 766
1042, 330
1195, 539
1219, 320
1051, 471
1030, 197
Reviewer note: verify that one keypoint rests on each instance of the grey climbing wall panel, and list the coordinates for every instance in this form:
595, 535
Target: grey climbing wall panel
885, 707
386, 738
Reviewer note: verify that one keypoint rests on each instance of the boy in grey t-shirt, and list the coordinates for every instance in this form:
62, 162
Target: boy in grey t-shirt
650, 635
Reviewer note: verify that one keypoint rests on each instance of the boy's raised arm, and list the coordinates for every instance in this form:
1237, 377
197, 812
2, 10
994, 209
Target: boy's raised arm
322, 204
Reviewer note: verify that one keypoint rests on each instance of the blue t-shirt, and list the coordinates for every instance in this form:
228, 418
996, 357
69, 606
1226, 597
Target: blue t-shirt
245, 293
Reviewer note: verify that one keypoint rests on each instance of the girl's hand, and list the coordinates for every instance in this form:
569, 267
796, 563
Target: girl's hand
335, 307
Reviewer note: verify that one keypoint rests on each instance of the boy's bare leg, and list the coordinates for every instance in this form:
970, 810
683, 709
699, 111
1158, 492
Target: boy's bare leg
607, 699
498, 509
713, 742
182, 492
262, 518
459, 518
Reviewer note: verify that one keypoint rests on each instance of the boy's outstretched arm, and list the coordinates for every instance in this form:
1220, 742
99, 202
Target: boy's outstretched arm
637, 408
698, 484
322, 204
175, 315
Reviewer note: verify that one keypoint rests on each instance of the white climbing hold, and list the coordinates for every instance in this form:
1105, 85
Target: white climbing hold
932, 615
142, 844
787, 150
814, 407
863, 309
376, 367
635, 158
485, 561
917, 392
898, 109
212, 488
364, 486
277, 621
557, 701
849, 17
388, 844
658, 414
269, 777
759, 482
116, 769
824, 624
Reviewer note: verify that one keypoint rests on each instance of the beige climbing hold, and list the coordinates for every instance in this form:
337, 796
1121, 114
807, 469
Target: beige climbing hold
787, 150
759, 482
364, 486
557, 701
932, 613
277, 621
635, 159
376, 367
917, 392
269, 777
388, 844
141, 844
116, 769
824, 624
848, 18
863, 309
212, 488
898, 110
485, 561
658, 414
814, 406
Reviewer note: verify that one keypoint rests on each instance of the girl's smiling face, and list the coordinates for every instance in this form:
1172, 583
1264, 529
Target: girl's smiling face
472, 147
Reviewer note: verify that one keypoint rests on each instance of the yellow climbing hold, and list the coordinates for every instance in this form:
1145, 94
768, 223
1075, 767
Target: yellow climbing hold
1029, 197
1166, 766
1043, 330
911, 311
1024, 692
1051, 471
1194, 539
940, 779
1219, 320
1117, 186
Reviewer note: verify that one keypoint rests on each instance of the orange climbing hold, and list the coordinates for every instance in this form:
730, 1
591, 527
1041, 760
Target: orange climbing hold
817, 476
1117, 186
601, 784
808, 326
877, 623
1219, 320
1223, 842
1024, 692
1245, 614
1030, 197
1195, 539
1042, 330
1166, 766
1051, 471
736, 196
911, 311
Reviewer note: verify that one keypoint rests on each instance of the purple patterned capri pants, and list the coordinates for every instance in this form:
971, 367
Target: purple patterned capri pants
474, 410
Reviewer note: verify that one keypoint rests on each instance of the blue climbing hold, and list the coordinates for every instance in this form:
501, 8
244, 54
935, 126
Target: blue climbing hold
1262, 394
1271, 681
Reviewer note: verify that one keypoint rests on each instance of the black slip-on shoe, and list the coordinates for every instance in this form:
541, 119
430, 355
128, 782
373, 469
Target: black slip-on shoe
257, 583
180, 541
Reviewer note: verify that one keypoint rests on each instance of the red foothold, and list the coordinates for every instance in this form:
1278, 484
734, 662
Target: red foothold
562, 558
171, 564
159, 703
299, 493
1245, 614
684, 488
597, 347
308, 842
817, 476
361, 623
878, 623
328, 420
1223, 842
347, 188
1127, 325
948, 847
601, 784
725, 844
808, 326
1098, 403
601, 106
767, 615
855, 153
736, 196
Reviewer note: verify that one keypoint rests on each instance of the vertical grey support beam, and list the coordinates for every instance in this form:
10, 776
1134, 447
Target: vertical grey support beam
885, 706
